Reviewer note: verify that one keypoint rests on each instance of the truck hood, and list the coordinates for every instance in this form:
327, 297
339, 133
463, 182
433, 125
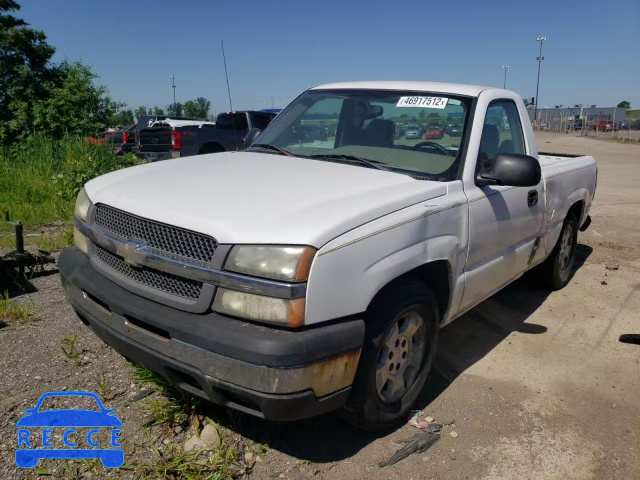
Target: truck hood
249, 197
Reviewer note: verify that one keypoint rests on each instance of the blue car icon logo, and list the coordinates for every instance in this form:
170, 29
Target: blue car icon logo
35, 432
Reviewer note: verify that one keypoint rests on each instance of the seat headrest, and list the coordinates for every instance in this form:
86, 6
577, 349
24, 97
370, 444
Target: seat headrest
490, 140
380, 132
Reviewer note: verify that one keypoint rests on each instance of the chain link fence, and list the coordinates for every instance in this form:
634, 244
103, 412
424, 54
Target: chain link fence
604, 123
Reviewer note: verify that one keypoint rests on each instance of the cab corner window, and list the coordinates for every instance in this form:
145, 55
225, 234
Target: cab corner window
502, 131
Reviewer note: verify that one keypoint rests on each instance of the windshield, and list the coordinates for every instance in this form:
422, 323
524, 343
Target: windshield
387, 128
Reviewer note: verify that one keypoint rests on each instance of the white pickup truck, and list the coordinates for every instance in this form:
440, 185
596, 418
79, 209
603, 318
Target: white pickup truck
313, 271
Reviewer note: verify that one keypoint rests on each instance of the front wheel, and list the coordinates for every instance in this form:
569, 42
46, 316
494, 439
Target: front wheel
402, 327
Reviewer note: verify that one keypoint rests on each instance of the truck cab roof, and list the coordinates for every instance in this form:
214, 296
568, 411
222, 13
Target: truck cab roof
453, 88
175, 122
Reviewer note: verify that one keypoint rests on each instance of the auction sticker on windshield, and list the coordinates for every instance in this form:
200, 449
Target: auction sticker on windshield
424, 102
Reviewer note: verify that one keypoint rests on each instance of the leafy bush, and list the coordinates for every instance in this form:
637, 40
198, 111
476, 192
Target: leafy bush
41, 176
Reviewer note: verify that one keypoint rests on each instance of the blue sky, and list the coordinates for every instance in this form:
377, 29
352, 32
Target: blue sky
275, 49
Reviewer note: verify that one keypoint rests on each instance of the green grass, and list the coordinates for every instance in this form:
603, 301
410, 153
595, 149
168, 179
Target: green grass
633, 113
173, 407
40, 178
173, 463
12, 311
69, 349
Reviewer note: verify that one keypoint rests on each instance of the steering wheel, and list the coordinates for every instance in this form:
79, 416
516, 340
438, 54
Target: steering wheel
437, 146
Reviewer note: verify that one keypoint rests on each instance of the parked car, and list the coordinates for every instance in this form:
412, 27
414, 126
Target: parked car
234, 131
453, 130
163, 139
128, 140
413, 132
605, 126
294, 279
112, 137
433, 132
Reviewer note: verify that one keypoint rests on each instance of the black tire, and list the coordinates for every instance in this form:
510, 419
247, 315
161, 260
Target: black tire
406, 299
556, 271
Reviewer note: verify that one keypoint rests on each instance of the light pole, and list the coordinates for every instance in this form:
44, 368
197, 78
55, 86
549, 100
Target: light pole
505, 76
173, 85
540, 58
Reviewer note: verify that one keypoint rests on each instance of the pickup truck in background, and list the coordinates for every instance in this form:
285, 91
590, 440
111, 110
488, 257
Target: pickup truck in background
234, 131
163, 138
310, 274
128, 140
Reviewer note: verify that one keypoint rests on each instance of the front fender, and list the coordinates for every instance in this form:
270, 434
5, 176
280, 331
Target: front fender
351, 269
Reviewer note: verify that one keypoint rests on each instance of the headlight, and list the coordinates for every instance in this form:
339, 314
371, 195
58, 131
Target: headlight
260, 308
82, 205
287, 263
80, 241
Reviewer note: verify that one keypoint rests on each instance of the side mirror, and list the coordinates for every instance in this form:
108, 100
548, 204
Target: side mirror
510, 169
251, 136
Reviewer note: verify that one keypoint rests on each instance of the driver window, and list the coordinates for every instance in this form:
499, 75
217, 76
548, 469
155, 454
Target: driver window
502, 131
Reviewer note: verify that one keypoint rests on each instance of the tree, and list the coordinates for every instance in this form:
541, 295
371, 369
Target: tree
37, 95
624, 104
198, 108
175, 110
25, 75
75, 104
158, 111
140, 111
122, 117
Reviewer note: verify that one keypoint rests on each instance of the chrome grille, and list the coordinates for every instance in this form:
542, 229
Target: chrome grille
164, 239
165, 282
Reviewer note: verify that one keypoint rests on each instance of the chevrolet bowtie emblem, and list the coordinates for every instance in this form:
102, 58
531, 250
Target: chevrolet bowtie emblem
131, 254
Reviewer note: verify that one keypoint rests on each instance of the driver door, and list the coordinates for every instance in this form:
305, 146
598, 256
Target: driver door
504, 221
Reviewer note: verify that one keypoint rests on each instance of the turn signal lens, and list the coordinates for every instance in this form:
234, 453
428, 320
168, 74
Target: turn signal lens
260, 308
80, 241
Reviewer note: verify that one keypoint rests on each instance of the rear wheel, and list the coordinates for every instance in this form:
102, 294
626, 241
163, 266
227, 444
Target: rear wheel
557, 269
402, 327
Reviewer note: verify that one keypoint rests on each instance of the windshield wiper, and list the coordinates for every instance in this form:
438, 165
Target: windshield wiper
353, 158
282, 151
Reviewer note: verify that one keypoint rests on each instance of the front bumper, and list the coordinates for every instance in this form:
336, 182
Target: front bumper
269, 372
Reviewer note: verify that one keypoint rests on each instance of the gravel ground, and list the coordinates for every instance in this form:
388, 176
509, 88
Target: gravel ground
535, 384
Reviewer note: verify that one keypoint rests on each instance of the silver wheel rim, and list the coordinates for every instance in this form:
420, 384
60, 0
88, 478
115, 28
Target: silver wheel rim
566, 248
400, 358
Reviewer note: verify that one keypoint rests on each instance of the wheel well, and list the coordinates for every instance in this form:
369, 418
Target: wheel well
436, 275
577, 209
211, 148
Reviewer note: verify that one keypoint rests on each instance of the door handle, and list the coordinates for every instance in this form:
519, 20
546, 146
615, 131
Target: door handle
532, 198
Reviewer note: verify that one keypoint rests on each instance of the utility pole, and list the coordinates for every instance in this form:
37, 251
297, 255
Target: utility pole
540, 58
505, 76
173, 85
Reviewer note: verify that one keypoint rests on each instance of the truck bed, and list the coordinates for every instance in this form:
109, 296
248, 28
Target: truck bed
567, 178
